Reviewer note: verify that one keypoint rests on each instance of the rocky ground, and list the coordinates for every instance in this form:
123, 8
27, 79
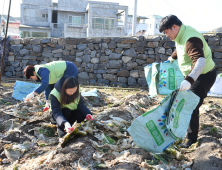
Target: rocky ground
28, 138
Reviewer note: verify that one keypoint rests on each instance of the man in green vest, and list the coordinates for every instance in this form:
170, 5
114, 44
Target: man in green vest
195, 61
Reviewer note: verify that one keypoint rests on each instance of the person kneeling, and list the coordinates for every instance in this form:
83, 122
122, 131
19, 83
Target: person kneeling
67, 105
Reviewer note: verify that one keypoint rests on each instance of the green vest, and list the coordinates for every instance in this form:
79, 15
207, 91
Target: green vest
56, 70
71, 106
184, 61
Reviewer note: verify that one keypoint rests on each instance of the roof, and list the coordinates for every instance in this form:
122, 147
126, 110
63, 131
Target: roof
142, 17
155, 16
33, 26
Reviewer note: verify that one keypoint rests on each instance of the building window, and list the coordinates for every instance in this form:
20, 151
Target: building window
24, 34
103, 23
39, 34
130, 19
157, 26
44, 15
150, 25
76, 20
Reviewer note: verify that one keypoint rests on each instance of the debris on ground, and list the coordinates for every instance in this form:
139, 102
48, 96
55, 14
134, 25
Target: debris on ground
29, 140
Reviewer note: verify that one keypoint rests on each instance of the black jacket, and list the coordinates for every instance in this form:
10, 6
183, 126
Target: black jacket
56, 105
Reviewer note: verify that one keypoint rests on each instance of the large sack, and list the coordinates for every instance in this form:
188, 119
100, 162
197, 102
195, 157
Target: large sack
216, 89
154, 131
180, 113
163, 78
152, 75
170, 77
22, 89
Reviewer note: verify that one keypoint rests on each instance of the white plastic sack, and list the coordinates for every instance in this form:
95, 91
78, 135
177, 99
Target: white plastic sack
22, 89
216, 89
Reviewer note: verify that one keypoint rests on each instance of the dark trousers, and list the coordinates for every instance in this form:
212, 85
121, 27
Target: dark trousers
51, 86
200, 87
71, 116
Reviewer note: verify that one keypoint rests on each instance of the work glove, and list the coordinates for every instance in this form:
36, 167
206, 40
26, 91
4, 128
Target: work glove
170, 59
47, 106
185, 85
29, 96
89, 117
68, 127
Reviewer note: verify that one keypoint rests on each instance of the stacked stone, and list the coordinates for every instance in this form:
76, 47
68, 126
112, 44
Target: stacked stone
108, 61
215, 43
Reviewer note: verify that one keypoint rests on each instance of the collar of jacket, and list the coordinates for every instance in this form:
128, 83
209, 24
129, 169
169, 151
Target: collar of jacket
180, 34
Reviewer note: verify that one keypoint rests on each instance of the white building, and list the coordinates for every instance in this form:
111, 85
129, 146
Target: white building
72, 18
153, 23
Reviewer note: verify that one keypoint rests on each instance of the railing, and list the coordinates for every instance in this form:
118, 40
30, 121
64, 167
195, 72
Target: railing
107, 26
35, 19
75, 25
139, 26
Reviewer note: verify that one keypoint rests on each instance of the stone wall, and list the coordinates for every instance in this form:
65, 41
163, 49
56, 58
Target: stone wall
109, 61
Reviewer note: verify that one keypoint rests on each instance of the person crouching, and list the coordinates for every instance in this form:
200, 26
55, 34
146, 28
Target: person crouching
67, 105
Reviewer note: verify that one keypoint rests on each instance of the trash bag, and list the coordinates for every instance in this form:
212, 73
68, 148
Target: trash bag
154, 131
22, 89
216, 89
181, 109
163, 78
170, 77
151, 73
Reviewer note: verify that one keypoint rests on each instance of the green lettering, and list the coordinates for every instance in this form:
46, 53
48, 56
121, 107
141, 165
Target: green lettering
171, 77
155, 132
177, 113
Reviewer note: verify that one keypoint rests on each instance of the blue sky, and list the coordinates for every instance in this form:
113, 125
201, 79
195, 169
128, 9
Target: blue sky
204, 15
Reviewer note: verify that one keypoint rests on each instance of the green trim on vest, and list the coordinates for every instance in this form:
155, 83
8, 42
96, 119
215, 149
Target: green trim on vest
184, 61
56, 70
71, 106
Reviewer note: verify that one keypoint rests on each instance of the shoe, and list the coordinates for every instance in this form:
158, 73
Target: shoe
186, 144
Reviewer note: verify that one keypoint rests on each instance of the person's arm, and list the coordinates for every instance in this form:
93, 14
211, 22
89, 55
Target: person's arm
174, 55
194, 49
44, 74
82, 107
57, 111
47, 92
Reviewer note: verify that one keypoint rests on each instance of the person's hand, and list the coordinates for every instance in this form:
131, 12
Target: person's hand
68, 127
30, 96
170, 59
47, 106
89, 117
185, 85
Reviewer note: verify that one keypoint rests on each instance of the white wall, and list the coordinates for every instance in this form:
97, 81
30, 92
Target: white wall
153, 26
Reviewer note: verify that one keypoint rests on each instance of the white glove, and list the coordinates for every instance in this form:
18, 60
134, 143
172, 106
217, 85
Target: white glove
47, 106
170, 59
185, 85
68, 127
30, 96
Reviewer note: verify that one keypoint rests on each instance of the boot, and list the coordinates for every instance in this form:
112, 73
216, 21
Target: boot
186, 144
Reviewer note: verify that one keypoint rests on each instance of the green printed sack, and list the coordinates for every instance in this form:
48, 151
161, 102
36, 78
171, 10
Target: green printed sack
170, 77
180, 113
156, 129
151, 73
149, 131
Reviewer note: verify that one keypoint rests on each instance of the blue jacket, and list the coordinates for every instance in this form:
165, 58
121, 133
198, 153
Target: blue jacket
56, 106
71, 70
